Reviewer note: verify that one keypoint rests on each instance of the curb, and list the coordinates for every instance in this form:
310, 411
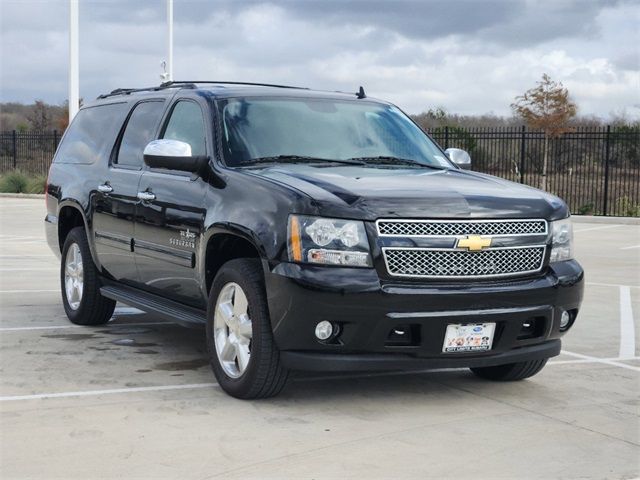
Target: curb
22, 195
607, 220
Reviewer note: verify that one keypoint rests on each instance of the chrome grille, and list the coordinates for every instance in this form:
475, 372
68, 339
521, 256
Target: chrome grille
446, 263
451, 228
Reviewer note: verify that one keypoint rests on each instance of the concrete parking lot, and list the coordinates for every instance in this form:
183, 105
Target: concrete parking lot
136, 398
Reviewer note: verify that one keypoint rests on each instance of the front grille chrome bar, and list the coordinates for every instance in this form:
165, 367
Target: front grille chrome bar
458, 228
444, 263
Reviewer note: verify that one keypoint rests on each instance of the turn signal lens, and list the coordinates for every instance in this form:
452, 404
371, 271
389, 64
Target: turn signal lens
295, 245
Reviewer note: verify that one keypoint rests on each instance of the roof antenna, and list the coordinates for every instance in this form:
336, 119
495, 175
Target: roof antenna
361, 93
164, 76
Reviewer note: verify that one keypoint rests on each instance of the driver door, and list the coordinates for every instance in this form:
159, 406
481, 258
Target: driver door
170, 222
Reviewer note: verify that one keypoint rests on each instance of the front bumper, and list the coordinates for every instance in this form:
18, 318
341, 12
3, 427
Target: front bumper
367, 311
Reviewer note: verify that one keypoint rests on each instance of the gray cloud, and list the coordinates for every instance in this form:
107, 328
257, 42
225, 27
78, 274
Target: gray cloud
469, 56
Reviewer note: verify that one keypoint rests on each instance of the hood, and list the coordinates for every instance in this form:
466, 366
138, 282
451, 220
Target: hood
369, 193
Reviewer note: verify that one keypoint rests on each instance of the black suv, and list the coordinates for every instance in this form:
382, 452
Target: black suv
306, 230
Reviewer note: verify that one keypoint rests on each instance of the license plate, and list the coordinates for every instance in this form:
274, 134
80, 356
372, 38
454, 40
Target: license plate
470, 337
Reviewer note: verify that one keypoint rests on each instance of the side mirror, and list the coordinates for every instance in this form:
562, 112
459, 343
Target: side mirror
459, 157
173, 155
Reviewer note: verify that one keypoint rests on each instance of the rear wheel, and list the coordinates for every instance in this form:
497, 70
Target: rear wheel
511, 371
80, 282
242, 352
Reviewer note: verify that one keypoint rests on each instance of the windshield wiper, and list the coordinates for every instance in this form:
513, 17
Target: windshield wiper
389, 160
299, 159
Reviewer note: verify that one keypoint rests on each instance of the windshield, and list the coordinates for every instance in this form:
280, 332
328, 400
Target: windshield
256, 130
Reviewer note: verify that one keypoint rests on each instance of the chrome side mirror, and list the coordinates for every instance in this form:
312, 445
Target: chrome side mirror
460, 157
173, 155
167, 148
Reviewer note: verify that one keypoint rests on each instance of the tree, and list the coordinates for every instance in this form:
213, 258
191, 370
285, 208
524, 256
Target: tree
39, 116
546, 107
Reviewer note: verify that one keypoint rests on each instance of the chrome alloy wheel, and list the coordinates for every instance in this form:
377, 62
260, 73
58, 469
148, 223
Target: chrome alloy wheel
73, 276
232, 330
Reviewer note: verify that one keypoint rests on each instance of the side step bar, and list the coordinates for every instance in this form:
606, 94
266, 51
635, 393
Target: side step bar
148, 302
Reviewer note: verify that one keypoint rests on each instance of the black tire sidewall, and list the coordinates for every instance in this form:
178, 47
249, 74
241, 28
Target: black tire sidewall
93, 309
233, 271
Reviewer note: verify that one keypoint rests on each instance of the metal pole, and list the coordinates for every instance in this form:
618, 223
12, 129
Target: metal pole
74, 81
15, 150
169, 40
606, 170
522, 152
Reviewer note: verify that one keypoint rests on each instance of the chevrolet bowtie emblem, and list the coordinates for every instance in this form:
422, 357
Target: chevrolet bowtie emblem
474, 243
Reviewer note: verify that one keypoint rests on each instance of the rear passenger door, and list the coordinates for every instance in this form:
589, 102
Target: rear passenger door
116, 197
169, 225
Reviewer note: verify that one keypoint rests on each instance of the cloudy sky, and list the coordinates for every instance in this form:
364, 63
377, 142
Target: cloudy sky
471, 57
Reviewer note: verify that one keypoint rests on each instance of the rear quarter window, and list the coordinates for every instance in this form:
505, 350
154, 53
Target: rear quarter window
91, 135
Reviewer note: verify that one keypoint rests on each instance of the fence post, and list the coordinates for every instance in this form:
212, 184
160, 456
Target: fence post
15, 150
55, 140
446, 137
606, 170
522, 152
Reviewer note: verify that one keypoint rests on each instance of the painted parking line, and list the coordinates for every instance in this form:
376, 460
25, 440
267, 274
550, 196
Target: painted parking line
32, 255
63, 327
590, 229
605, 361
585, 360
112, 391
615, 285
13, 239
53, 268
631, 247
193, 386
30, 291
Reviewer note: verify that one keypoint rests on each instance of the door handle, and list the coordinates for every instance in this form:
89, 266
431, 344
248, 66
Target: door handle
146, 196
105, 188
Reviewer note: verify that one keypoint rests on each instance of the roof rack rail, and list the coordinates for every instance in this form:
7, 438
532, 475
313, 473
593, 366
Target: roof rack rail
127, 91
217, 82
188, 84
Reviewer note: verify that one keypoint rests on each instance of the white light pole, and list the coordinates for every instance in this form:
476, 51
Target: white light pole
169, 40
74, 78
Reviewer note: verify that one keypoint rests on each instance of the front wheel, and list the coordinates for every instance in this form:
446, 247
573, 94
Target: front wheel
242, 352
80, 283
512, 371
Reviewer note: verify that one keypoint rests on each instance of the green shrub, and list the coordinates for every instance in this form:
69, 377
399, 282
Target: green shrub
586, 209
36, 184
627, 207
14, 182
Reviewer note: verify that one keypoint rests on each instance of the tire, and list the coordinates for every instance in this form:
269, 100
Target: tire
85, 306
512, 371
262, 375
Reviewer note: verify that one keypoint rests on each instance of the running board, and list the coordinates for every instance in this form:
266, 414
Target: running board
150, 303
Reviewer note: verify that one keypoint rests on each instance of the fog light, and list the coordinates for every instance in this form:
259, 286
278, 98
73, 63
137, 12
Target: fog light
324, 330
565, 318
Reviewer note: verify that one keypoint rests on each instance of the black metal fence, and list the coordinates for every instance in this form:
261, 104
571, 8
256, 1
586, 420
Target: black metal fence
30, 152
596, 170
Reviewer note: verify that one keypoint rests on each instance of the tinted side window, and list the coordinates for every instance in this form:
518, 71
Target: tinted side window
91, 135
138, 132
187, 125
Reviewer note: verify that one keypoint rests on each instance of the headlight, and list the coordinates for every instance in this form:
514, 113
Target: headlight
561, 240
328, 241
